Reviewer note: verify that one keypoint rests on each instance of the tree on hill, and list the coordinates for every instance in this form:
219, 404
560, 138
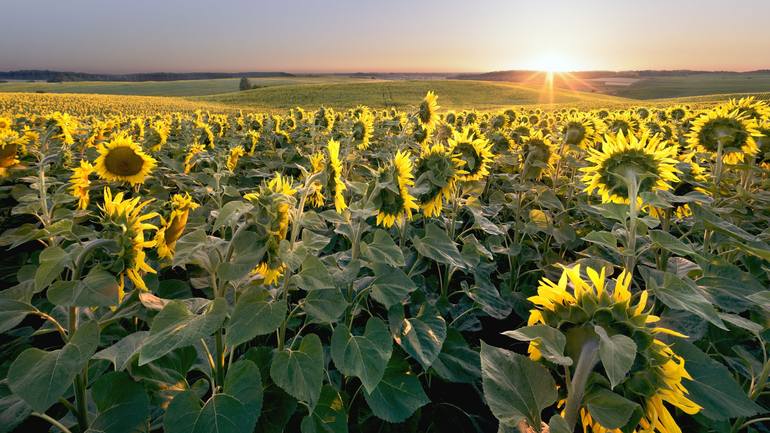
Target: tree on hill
245, 84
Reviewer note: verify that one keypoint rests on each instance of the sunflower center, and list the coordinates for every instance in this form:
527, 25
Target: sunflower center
619, 125
729, 132
470, 156
123, 161
574, 133
424, 113
391, 203
618, 167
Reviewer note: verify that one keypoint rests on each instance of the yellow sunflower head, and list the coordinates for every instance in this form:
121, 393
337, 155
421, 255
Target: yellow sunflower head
122, 160
393, 201
624, 122
763, 145
732, 132
232, 158
647, 161
427, 112
578, 130
436, 171
475, 153
537, 154
580, 307
80, 184
171, 230
749, 107
10, 141
335, 184
124, 221
363, 129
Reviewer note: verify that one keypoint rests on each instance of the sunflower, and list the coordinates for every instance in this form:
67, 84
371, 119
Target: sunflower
576, 305
254, 140
537, 154
623, 122
124, 218
195, 149
647, 160
272, 203
232, 158
729, 130
678, 113
578, 130
80, 183
171, 230
318, 164
10, 141
763, 146
393, 201
474, 152
123, 160
436, 170
158, 137
335, 182
324, 118
427, 112
749, 107
65, 126
363, 129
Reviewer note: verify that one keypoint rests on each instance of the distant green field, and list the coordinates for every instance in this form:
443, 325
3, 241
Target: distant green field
692, 85
160, 88
453, 94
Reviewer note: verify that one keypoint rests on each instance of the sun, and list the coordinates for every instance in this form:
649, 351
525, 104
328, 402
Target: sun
552, 63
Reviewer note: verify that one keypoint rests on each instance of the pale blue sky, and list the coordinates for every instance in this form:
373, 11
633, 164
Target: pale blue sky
392, 35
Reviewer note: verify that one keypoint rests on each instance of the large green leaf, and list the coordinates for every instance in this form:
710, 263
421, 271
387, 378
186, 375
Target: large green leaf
176, 326
123, 404
300, 372
328, 416
40, 377
550, 341
671, 243
610, 410
391, 285
515, 387
363, 356
122, 352
382, 249
98, 288
399, 393
617, 353
247, 252
325, 305
313, 276
712, 386
52, 262
421, 336
457, 362
681, 294
437, 246
255, 314
12, 312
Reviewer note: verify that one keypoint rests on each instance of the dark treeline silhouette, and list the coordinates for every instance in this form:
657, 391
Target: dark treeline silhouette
59, 76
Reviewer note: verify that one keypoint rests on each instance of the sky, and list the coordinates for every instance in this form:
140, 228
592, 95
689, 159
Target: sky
121, 36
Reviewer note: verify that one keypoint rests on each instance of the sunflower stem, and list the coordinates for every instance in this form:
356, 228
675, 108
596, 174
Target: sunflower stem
633, 212
589, 357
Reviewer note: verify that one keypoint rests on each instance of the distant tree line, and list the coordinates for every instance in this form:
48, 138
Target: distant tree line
59, 76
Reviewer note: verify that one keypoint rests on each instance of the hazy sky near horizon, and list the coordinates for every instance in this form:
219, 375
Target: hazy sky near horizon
389, 35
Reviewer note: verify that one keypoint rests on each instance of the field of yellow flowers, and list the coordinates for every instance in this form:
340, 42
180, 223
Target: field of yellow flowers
527, 270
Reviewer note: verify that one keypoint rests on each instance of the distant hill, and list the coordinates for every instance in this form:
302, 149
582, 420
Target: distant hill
525, 75
59, 76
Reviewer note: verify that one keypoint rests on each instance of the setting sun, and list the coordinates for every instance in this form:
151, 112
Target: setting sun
553, 62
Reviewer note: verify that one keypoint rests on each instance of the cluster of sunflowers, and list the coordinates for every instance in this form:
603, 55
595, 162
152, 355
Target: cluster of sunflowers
487, 209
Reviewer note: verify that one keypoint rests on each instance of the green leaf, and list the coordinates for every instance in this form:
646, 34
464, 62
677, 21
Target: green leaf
40, 377
713, 387
603, 238
13, 411
122, 352
671, 243
611, 410
437, 246
681, 294
244, 383
123, 404
382, 249
182, 413
557, 424
363, 356
762, 299
421, 336
313, 276
550, 341
188, 246
12, 312
617, 353
247, 253
325, 305
255, 314
277, 414
328, 416
230, 213
399, 393
300, 372
515, 387
391, 285
99, 288
457, 362
53, 260
176, 326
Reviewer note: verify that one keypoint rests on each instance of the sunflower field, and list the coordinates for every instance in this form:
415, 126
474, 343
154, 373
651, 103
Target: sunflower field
528, 270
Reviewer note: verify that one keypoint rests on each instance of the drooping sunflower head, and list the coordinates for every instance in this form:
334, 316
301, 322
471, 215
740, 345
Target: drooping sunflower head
436, 171
171, 230
65, 127
232, 158
624, 122
475, 153
324, 118
581, 308
427, 112
80, 184
519, 133
578, 130
124, 221
10, 142
158, 136
335, 184
647, 161
731, 131
122, 160
537, 154
363, 129
392, 199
